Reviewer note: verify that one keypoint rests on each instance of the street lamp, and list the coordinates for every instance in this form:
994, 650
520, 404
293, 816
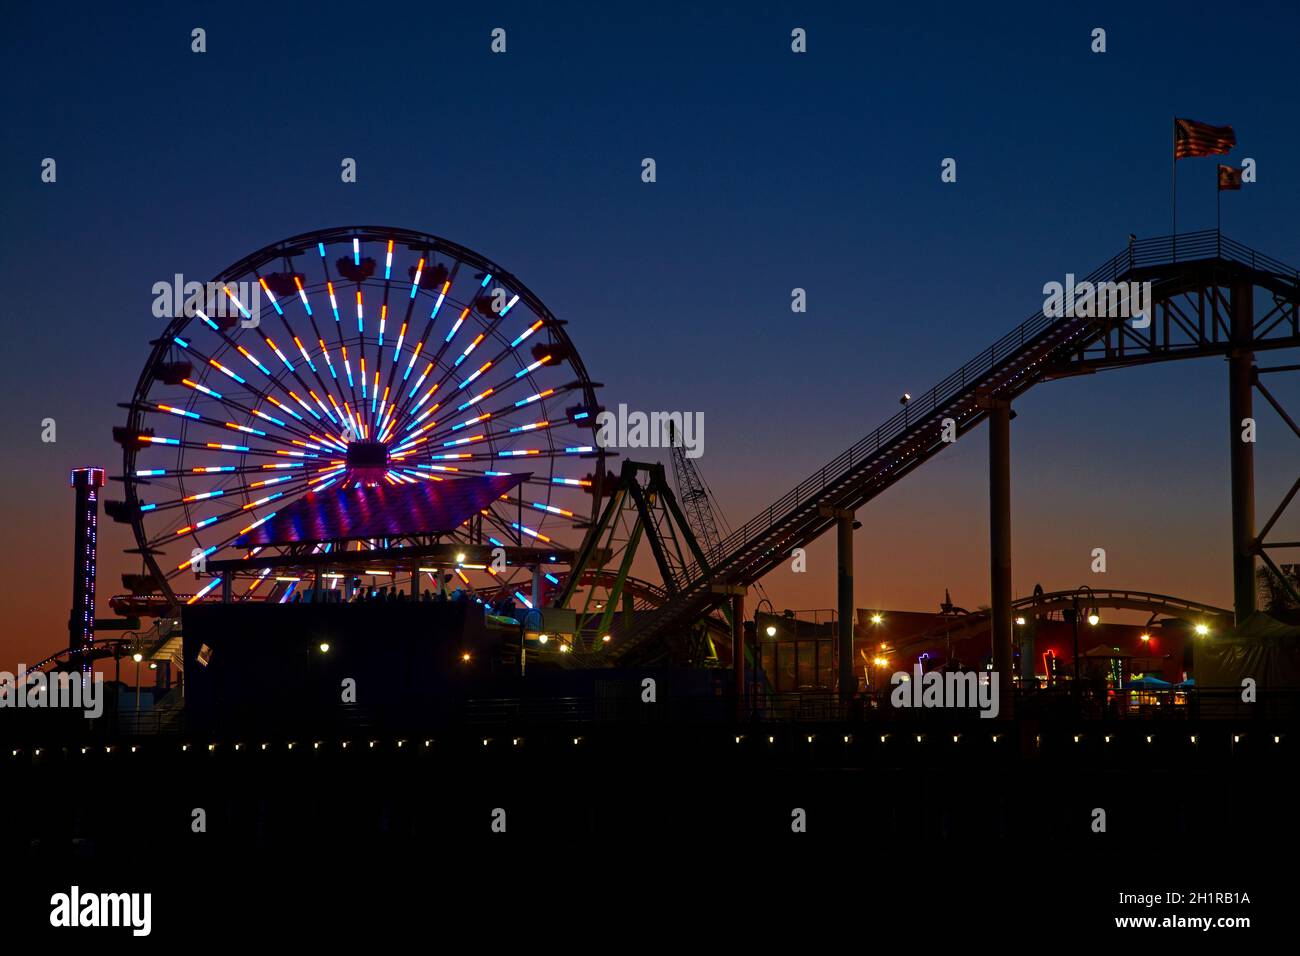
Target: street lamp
880, 662
137, 657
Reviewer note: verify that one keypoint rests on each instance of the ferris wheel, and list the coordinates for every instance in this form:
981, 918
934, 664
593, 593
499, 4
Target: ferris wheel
349, 360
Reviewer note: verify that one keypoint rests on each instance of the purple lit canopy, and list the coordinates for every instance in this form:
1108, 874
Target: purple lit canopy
381, 511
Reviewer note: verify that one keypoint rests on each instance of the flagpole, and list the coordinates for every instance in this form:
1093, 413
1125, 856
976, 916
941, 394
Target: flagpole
1173, 187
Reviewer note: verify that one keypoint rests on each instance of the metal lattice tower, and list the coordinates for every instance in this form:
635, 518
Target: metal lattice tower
694, 495
81, 622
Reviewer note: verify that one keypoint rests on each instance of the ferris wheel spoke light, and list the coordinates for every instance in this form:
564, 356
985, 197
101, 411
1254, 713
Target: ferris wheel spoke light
469, 381
203, 592
221, 368
534, 398
470, 348
527, 332
239, 305
456, 327
202, 388
270, 295
527, 369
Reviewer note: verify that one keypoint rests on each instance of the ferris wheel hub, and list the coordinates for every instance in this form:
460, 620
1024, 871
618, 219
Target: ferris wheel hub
367, 454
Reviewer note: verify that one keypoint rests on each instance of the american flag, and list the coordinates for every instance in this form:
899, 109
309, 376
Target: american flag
1200, 139
1229, 177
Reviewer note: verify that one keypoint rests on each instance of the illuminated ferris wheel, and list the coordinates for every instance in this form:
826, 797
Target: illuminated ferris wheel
291, 406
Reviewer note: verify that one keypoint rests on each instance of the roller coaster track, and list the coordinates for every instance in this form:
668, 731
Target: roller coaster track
1198, 267
147, 643
100, 647
958, 627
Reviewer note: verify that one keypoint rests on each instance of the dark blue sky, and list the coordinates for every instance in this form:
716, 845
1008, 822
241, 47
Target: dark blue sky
775, 170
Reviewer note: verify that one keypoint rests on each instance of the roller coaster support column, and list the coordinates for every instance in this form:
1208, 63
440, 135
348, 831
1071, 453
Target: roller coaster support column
1028, 633
1241, 372
844, 525
1000, 541
737, 593
738, 647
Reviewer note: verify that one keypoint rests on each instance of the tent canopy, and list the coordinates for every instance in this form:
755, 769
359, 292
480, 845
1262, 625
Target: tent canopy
1261, 648
1147, 682
381, 511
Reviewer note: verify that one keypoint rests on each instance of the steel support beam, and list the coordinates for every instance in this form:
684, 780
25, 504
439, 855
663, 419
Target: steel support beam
737, 594
738, 647
1000, 541
844, 593
397, 559
844, 527
1241, 377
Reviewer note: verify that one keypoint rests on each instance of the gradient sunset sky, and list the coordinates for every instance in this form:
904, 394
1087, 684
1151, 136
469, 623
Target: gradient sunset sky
775, 170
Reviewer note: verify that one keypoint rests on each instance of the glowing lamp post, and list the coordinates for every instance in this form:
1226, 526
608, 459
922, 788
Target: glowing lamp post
137, 657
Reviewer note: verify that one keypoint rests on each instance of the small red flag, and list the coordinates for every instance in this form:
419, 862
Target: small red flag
1200, 139
1229, 177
